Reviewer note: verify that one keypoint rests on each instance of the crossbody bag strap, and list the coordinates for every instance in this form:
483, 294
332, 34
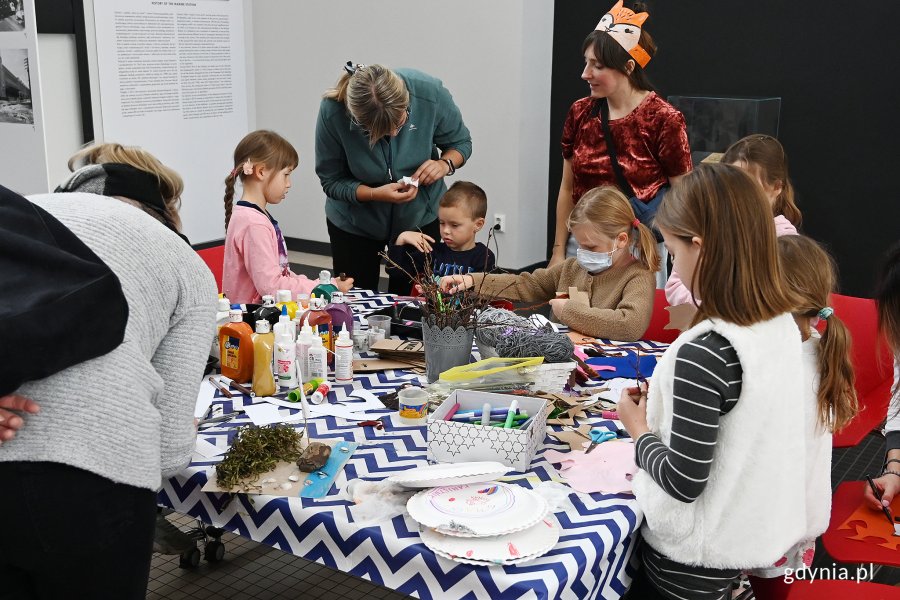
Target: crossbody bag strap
602, 106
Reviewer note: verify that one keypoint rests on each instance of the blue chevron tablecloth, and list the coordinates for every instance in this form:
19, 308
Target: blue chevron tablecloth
591, 560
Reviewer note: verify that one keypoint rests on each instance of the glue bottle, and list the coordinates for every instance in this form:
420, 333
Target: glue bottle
304, 341
267, 311
263, 346
236, 348
223, 317
340, 311
318, 396
285, 357
320, 321
283, 298
325, 288
318, 363
285, 324
343, 357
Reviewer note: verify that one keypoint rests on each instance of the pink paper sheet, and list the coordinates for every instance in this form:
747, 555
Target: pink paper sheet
608, 469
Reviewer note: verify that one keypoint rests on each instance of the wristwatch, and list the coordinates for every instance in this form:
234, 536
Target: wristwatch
449, 164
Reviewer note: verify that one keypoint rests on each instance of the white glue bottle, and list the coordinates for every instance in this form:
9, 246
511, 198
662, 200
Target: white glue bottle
343, 357
285, 356
318, 359
304, 341
222, 317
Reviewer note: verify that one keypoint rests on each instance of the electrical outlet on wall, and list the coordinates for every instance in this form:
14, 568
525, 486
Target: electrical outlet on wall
499, 223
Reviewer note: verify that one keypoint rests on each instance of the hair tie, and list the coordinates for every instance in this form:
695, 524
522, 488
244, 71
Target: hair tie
233, 173
825, 313
350, 68
248, 167
635, 223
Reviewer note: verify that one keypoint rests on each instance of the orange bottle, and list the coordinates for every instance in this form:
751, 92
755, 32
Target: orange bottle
236, 348
320, 321
263, 352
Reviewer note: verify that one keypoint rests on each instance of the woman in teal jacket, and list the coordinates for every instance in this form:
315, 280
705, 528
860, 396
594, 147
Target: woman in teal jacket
376, 127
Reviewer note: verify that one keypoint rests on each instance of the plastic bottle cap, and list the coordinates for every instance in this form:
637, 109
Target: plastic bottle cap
324, 276
268, 300
284, 313
224, 305
263, 326
344, 335
283, 295
316, 342
235, 315
307, 328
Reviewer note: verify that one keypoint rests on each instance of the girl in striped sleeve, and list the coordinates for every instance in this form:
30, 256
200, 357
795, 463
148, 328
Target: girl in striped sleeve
715, 426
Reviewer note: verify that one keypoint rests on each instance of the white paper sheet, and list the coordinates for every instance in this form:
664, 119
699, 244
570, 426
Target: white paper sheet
204, 398
207, 450
266, 414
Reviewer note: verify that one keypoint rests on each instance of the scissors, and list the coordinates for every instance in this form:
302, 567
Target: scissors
598, 436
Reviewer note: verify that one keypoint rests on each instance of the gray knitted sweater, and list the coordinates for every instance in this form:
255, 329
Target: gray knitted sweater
127, 415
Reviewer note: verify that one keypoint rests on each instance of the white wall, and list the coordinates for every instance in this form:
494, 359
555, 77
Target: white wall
494, 57
62, 106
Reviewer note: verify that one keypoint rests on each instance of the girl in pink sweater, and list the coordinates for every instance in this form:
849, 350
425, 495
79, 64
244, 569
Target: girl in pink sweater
256, 259
763, 157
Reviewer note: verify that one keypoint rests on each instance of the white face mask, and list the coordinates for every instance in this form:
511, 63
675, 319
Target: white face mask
595, 262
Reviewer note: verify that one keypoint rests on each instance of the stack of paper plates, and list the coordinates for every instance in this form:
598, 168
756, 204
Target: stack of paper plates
429, 476
485, 523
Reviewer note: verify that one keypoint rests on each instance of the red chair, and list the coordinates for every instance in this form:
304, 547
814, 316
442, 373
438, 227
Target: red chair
215, 259
872, 363
659, 319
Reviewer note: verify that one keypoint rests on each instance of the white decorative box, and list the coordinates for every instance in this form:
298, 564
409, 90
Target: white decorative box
457, 441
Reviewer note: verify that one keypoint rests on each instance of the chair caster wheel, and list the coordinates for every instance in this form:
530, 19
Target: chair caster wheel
191, 558
215, 551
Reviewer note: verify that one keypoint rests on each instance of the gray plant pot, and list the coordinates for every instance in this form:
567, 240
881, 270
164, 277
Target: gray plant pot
445, 348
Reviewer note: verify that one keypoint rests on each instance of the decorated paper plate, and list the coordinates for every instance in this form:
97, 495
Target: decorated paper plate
429, 476
478, 509
510, 549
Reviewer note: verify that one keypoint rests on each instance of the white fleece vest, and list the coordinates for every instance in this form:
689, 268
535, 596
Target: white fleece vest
818, 446
753, 508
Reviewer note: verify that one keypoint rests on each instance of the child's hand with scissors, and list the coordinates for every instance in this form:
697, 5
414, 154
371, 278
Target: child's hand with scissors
632, 409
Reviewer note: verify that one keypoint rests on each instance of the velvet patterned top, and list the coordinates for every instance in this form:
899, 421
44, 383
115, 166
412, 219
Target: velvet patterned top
651, 144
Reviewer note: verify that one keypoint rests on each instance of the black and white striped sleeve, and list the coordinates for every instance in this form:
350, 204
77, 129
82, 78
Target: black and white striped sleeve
707, 384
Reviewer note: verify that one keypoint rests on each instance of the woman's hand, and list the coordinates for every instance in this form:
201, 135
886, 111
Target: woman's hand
10, 422
456, 283
394, 193
632, 409
415, 239
888, 485
430, 171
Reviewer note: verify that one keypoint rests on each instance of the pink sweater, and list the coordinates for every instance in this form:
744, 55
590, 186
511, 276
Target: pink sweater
677, 293
251, 266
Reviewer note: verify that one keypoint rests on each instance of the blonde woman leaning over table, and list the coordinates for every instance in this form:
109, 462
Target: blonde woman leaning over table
615, 289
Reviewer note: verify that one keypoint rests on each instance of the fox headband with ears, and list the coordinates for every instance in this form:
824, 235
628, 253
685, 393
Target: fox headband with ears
624, 26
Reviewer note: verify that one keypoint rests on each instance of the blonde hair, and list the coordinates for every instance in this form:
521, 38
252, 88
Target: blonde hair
811, 275
609, 212
375, 97
170, 183
258, 147
765, 155
738, 275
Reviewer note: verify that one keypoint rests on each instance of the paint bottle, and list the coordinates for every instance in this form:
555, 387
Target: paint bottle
285, 358
304, 341
341, 313
267, 311
321, 393
283, 298
318, 362
325, 288
320, 321
223, 317
236, 348
263, 350
310, 386
343, 357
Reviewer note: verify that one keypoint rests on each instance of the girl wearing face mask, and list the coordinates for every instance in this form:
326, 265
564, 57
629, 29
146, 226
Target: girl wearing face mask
616, 289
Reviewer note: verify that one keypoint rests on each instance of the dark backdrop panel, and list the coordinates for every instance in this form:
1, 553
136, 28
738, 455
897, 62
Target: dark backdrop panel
836, 72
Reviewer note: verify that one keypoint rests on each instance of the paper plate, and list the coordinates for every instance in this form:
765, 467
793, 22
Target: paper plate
478, 509
429, 476
510, 549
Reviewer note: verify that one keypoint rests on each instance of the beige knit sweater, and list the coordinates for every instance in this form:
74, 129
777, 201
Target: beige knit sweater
621, 298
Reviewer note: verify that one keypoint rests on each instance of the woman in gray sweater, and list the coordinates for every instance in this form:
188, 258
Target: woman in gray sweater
80, 479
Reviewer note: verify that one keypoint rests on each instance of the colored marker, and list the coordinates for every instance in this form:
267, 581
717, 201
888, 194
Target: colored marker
511, 414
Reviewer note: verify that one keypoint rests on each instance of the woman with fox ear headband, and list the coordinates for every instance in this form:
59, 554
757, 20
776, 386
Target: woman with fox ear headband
622, 134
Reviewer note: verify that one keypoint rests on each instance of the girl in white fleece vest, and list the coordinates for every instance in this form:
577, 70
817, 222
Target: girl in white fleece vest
719, 435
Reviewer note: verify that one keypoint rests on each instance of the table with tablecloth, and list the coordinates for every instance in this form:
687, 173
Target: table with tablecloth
592, 559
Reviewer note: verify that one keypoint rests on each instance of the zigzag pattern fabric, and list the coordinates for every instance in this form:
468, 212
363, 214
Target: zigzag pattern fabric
593, 559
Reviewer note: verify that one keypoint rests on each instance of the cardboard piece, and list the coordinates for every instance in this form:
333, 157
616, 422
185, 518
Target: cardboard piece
680, 316
576, 441
578, 296
373, 365
457, 441
402, 348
